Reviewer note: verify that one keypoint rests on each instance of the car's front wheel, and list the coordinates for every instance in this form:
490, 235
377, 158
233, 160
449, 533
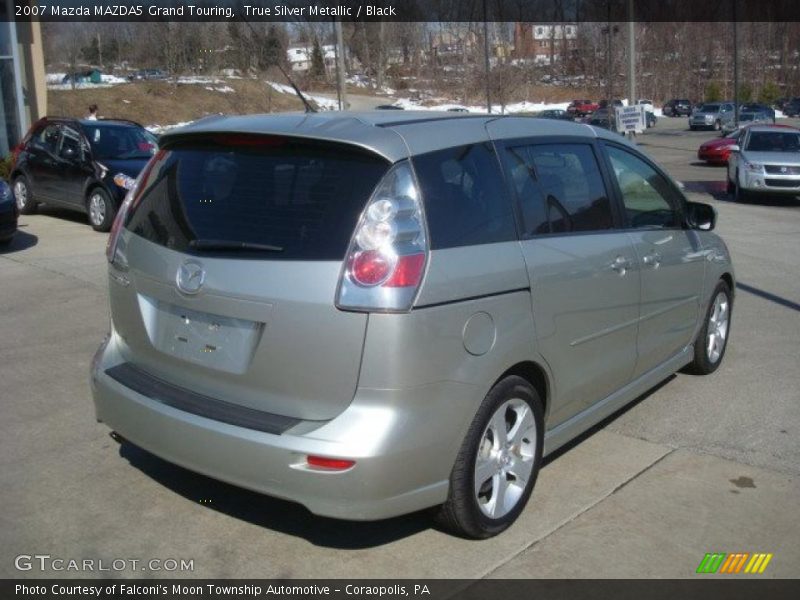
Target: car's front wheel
498, 462
101, 210
23, 196
709, 348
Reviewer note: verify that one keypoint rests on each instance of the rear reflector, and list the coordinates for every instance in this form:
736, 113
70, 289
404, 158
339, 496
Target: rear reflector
335, 464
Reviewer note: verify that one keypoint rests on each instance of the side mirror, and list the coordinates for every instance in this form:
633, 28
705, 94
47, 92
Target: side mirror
700, 216
735, 148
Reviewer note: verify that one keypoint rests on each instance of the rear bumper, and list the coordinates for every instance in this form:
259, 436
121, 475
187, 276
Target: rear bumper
403, 452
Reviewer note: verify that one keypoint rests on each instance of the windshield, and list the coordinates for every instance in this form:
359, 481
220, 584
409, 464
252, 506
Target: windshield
709, 108
773, 141
120, 142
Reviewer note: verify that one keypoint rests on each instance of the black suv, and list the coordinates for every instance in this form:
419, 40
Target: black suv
86, 165
792, 108
677, 107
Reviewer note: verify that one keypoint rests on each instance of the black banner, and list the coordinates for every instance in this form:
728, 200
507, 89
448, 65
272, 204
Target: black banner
702, 588
406, 10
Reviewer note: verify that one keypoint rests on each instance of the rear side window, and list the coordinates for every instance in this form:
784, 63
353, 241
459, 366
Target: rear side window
258, 197
464, 195
560, 188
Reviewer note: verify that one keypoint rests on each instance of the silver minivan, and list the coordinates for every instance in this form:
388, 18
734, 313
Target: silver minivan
374, 313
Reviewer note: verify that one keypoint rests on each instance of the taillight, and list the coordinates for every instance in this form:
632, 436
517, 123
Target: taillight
131, 198
387, 255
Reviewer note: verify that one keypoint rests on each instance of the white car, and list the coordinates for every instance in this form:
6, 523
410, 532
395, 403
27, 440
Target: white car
766, 161
648, 104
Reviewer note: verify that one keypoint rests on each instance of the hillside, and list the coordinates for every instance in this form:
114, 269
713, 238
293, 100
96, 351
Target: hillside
165, 102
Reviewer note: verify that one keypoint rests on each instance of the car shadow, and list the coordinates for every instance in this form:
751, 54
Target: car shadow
62, 213
21, 241
716, 189
273, 513
702, 163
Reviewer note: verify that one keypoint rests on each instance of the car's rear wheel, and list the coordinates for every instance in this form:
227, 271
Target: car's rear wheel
711, 342
23, 196
100, 209
498, 462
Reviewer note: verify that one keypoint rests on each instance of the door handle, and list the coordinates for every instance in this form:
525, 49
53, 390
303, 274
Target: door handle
652, 260
621, 265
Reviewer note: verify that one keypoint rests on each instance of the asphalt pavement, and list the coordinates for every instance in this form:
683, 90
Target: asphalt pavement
698, 465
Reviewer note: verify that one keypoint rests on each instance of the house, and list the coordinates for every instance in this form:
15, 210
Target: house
299, 57
544, 43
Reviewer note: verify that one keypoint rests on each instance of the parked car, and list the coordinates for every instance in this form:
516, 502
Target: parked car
756, 107
792, 108
388, 107
337, 309
766, 161
717, 151
143, 74
555, 113
780, 103
710, 115
8, 214
677, 107
648, 104
458, 109
84, 165
582, 108
745, 118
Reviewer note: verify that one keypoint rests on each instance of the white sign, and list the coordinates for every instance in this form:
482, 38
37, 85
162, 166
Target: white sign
631, 118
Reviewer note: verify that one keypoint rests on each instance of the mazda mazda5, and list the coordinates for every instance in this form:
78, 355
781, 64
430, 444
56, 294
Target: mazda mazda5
374, 313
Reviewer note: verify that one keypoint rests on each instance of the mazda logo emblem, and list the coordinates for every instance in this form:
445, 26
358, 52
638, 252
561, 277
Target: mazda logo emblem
190, 277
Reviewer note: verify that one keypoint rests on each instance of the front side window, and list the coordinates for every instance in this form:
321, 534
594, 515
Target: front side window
70, 146
464, 195
48, 137
649, 199
559, 187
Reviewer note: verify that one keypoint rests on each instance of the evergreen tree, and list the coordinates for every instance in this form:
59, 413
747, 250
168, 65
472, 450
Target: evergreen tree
317, 62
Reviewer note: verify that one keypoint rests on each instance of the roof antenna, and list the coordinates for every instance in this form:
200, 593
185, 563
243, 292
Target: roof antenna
309, 107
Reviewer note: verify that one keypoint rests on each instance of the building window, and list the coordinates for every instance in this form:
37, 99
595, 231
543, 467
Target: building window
10, 124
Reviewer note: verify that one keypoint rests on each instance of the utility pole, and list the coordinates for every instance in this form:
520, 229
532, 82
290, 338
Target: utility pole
631, 55
341, 90
735, 66
487, 65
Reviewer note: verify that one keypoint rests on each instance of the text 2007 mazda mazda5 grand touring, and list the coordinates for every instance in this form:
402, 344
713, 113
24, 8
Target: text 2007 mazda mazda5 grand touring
374, 313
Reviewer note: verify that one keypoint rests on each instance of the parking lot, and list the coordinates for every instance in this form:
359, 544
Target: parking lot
697, 465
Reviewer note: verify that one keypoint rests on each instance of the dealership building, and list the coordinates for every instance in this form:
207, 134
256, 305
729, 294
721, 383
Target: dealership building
22, 77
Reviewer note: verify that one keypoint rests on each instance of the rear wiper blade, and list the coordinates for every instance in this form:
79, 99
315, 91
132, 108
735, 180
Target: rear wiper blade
232, 245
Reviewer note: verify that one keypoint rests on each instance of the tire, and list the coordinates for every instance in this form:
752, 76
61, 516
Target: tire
717, 125
739, 195
475, 509
692, 127
100, 209
23, 195
712, 341
731, 188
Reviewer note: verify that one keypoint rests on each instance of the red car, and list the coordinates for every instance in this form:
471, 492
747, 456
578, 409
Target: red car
581, 108
717, 151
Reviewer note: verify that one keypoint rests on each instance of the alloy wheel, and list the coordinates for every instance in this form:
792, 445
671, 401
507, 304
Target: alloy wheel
504, 462
21, 194
97, 210
717, 332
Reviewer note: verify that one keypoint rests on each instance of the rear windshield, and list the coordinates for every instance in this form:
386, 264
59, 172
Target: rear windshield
257, 197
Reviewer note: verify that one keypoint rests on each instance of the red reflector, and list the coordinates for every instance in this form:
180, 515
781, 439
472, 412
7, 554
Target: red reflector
338, 464
371, 267
248, 140
408, 271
